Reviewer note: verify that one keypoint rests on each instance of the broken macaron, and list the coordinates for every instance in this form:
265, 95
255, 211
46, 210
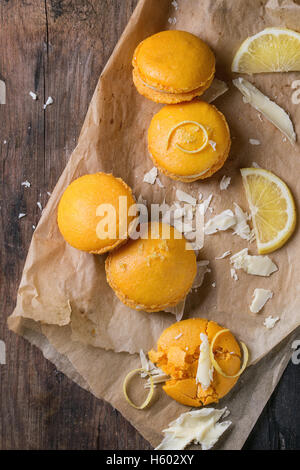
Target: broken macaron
202, 358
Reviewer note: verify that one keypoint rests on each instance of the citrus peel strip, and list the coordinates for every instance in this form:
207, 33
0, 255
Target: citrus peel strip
196, 124
127, 379
216, 365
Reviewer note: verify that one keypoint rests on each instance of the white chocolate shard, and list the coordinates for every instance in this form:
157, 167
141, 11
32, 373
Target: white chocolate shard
48, 102
260, 297
202, 269
205, 368
233, 274
216, 89
242, 229
178, 310
274, 113
33, 95
270, 322
220, 222
254, 141
197, 426
150, 177
255, 265
225, 182
185, 197
2, 92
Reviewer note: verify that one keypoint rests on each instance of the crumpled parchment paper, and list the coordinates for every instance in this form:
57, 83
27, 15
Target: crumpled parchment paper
64, 301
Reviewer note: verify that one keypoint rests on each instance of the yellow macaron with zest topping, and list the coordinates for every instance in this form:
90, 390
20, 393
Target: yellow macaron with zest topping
189, 141
173, 66
153, 272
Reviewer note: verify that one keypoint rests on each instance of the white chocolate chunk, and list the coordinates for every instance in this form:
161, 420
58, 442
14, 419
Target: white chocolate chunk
150, 177
233, 274
213, 144
256, 265
198, 426
242, 229
216, 89
220, 222
178, 310
2, 92
260, 297
254, 141
48, 102
270, 322
202, 269
185, 197
225, 182
144, 360
159, 183
205, 204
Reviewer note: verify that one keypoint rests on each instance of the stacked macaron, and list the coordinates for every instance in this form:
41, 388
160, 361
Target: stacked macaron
173, 66
187, 140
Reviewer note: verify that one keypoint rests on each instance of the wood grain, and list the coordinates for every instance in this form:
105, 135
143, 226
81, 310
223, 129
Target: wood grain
58, 48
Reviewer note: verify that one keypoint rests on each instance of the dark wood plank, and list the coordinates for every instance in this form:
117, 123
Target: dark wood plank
278, 425
58, 48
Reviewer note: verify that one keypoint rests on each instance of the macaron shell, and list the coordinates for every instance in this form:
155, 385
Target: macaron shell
174, 61
77, 219
165, 97
187, 179
142, 272
162, 146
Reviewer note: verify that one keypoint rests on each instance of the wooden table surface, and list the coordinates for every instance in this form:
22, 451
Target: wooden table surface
58, 48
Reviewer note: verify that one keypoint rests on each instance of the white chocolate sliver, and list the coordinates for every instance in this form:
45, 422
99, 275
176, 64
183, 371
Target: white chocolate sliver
205, 368
274, 113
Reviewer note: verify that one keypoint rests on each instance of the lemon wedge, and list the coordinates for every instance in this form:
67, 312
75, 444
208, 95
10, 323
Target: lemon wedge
271, 50
272, 208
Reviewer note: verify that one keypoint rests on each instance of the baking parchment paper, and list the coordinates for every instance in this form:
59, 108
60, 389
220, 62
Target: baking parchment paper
64, 292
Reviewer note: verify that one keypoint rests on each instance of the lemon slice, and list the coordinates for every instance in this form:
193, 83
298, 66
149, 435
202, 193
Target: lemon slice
271, 50
272, 208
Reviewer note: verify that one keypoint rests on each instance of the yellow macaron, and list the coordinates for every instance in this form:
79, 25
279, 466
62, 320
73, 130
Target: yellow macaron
178, 354
173, 66
189, 141
142, 272
92, 215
